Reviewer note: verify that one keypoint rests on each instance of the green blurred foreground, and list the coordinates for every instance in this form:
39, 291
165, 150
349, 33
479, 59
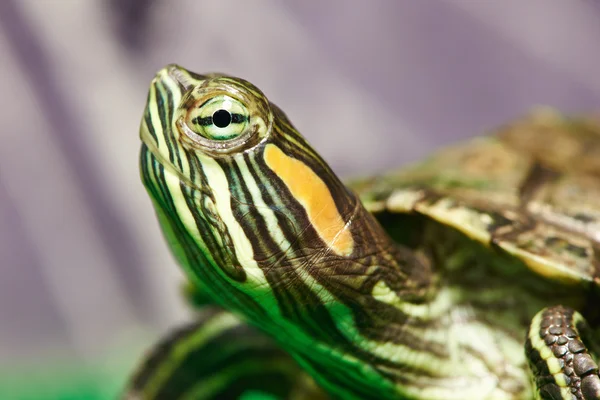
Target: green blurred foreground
55, 382
58, 381
55, 376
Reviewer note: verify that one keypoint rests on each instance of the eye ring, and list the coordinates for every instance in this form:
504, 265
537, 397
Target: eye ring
202, 127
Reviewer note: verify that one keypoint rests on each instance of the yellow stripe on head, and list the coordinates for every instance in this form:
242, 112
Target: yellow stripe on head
314, 195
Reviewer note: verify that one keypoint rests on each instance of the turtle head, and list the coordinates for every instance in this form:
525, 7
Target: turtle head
242, 197
260, 222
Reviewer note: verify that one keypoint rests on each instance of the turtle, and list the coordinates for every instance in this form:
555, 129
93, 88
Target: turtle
473, 274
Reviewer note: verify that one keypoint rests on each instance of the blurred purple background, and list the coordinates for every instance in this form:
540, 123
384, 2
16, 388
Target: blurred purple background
372, 84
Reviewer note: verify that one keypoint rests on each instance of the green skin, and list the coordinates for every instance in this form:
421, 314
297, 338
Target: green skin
360, 307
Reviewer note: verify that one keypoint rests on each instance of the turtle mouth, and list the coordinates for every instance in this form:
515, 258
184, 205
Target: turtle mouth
149, 150
167, 77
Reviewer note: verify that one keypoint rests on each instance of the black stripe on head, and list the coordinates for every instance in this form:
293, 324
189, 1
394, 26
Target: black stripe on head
244, 211
170, 109
150, 126
165, 108
297, 302
299, 149
165, 125
208, 224
194, 258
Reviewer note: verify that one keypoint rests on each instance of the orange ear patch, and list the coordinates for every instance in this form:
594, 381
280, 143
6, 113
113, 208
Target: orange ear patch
314, 195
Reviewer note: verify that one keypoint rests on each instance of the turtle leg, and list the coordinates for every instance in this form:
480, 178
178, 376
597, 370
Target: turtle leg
556, 350
218, 357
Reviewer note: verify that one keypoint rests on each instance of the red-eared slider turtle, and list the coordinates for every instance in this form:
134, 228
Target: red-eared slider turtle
471, 275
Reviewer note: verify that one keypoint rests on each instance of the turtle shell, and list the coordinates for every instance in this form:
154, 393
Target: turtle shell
532, 189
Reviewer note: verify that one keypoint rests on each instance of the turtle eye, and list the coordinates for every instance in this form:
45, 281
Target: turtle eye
219, 118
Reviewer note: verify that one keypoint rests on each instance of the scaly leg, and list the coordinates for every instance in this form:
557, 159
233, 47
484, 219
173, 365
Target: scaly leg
558, 355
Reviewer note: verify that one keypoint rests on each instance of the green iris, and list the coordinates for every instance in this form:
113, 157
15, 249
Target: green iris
219, 118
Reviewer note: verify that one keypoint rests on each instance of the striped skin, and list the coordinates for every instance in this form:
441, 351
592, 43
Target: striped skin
255, 216
183, 365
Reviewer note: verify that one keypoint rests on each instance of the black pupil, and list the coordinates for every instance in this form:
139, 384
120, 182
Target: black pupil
221, 118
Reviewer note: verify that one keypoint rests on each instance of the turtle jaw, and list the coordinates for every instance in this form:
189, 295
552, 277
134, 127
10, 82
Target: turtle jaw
159, 136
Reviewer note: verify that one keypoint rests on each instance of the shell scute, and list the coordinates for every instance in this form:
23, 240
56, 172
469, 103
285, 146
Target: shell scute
531, 189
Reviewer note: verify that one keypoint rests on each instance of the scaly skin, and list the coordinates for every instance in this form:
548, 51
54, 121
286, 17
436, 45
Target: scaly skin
259, 221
